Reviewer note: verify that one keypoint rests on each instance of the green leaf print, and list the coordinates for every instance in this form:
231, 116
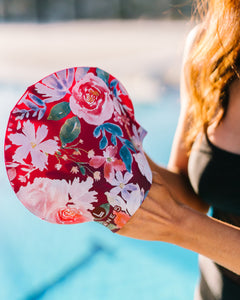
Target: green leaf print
70, 130
59, 111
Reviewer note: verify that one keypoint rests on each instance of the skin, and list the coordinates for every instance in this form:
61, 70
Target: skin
172, 212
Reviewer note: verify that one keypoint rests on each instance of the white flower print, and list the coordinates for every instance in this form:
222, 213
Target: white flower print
80, 194
138, 137
74, 170
22, 178
135, 200
32, 141
97, 175
58, 166
56, 86
115, 200
91, 153
130, 206
143, 165
121, 119
121, 185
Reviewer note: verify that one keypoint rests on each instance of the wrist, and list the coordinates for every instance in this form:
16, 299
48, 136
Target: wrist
189, 231
177, 225
182, 226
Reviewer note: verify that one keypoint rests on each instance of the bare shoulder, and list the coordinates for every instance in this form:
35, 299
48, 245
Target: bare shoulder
189, 44
178, 161
191, 37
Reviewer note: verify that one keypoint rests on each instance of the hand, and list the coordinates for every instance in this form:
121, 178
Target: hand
162, 218
158, 217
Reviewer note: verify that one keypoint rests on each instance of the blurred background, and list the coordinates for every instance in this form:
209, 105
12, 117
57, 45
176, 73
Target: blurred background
61, 10
141, 43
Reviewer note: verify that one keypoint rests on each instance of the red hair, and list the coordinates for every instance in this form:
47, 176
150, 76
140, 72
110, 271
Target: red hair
212, 63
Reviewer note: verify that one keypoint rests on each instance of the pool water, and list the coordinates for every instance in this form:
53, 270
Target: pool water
39, 260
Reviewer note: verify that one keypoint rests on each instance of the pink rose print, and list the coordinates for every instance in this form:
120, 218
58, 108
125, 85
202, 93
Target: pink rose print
70, 216
59, 201
111, 163
91, 100
32, 141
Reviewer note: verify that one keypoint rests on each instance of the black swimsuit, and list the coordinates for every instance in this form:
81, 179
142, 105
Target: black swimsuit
215, 176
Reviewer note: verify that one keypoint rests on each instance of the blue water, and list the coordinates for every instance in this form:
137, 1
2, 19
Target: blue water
39, 260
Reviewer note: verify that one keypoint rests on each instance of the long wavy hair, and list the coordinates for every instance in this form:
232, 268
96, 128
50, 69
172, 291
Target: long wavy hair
212, 64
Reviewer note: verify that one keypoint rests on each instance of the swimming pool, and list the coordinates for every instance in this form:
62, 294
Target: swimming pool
39, 260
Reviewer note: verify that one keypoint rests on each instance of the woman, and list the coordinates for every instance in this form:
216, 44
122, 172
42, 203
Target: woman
204, 167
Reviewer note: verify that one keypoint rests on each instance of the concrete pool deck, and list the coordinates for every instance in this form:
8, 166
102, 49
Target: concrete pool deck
145, 55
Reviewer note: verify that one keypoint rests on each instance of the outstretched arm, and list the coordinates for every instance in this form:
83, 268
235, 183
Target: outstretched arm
162, 218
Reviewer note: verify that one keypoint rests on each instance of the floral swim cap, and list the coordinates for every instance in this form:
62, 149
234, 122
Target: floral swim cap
73, 150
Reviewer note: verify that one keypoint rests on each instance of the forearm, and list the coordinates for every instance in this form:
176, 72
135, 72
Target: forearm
179, 187
162, 218
210, 237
